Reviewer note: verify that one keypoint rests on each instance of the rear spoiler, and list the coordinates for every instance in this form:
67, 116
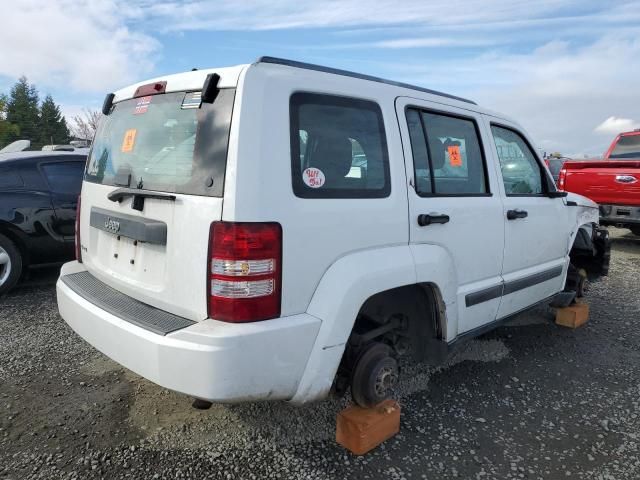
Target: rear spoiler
576, 165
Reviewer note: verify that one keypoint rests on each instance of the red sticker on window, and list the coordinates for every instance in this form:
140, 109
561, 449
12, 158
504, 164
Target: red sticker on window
455, 160
313, 177
142, 105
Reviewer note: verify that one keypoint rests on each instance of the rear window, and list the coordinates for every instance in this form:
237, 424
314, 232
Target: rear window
628, 147
164, 142
338, 147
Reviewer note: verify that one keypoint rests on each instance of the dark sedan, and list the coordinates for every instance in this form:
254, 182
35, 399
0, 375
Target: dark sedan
38, 198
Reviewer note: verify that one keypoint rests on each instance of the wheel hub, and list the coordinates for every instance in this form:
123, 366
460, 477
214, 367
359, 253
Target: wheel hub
5, 265
387, 378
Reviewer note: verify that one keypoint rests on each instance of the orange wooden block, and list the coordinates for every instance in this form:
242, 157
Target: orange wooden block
573, 316
362, 429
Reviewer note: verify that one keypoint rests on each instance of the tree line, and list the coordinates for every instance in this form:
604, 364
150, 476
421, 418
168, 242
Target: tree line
24, 117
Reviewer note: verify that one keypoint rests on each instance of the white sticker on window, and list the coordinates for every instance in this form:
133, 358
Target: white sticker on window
313, 177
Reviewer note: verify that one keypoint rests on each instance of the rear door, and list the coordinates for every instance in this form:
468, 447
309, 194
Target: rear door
153, 186
25, 203
64, 178
537, 230
454, 202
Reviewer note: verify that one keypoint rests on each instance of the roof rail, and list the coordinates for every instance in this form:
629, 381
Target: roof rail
347, 73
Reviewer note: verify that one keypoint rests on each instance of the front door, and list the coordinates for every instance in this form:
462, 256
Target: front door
537, 231
455, 209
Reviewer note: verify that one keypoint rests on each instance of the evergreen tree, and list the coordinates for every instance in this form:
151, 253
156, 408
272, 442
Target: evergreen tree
6, 128
53, 127
23, 112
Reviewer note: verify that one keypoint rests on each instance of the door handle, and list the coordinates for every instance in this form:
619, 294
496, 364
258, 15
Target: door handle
515, 214
425, 219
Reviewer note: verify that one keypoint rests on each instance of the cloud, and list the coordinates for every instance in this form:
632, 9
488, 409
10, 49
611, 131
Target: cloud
70, 111
558, 91
430, 42
558, 66
84, 44
283, 14
615, 125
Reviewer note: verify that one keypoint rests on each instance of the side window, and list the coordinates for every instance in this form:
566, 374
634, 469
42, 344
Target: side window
521, 172
338, 147
64, 177
9, 179
447, 154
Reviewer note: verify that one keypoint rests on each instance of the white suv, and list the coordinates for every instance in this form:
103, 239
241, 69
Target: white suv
273, 230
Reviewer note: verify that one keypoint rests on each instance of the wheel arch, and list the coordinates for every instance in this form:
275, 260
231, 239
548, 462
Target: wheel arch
585, 218
14, 234
590, 249
345, 288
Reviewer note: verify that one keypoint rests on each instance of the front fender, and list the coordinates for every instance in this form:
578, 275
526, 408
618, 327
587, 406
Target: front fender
585, 217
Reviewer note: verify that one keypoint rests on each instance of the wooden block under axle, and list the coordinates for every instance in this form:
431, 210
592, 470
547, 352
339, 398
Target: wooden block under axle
362, 429
573, 316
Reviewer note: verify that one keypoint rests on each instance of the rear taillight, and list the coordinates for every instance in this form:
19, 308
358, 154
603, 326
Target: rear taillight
562, 176
244, 271
78, 250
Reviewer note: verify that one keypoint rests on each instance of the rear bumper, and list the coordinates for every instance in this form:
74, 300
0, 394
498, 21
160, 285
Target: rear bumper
619, 215
211, 360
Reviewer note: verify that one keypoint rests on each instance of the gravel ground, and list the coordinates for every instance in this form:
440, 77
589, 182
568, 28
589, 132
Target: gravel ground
528, 400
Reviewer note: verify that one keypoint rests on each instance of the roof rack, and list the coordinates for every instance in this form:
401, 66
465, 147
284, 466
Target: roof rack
347, 73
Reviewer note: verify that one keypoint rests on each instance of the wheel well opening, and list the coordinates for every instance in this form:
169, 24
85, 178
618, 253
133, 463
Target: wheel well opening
17, 241
410, 320
590, 252
402, 317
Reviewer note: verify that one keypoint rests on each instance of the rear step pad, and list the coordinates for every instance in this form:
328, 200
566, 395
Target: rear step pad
123, 306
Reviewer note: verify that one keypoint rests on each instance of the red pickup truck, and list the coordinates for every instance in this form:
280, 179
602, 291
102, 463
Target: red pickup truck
613, 182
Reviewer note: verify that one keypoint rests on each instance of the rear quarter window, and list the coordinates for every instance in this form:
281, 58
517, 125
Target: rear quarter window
338, 147
64, 177
10, 180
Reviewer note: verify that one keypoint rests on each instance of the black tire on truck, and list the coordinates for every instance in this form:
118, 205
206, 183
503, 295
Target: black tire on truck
10, 264
374, 376
635, 231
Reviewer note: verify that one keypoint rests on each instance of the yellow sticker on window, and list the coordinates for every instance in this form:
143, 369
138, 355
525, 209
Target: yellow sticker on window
455, 160
129, 140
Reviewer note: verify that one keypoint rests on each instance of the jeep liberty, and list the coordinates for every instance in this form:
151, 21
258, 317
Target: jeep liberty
277, 230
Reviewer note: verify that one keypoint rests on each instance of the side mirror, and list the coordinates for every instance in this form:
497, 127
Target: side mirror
557, 194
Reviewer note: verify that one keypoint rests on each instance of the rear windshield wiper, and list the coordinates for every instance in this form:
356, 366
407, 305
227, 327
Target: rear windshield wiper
138, 195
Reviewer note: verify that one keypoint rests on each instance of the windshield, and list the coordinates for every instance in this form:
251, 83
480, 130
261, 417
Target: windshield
165, 143
628, 147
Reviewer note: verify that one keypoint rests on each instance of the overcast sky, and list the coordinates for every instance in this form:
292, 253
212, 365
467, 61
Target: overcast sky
568, 70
